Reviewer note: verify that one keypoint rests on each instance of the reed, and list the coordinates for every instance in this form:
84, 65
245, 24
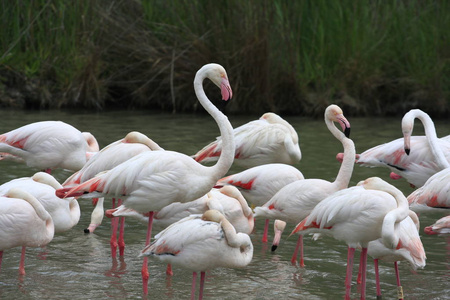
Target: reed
296, 57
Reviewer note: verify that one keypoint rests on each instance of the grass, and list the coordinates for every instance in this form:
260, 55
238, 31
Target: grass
292, 57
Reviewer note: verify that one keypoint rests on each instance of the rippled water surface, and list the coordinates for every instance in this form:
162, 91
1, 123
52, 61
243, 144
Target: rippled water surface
79, 266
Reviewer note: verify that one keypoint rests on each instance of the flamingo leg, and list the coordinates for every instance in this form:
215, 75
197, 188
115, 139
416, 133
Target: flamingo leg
348, 277
202, 285
399, 285
266, 231
358, 279
114, 224
194, 279
298, 247
121, 233
377, 278
169, 271
144, 270
22, 262
363, 272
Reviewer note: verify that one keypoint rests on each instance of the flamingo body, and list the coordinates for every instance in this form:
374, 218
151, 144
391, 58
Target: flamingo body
47, 145
271, 139
65, 213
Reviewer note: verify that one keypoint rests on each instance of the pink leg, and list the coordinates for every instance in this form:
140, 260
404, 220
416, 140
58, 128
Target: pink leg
266, 231
144, 270
348, 277
399, 285
299, 246
114, 224
194, 279
121, 232
358, 279
377, 278
202, 285
22, 262
363, 272
169, 271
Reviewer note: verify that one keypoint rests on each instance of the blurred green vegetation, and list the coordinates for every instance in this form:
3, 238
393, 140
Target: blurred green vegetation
371, 57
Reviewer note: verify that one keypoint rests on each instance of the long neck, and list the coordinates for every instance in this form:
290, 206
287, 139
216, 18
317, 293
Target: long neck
390, 239
226, 130
430, 132
345, 172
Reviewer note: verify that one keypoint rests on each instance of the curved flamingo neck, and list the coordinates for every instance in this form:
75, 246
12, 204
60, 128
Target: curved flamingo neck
226, 157
430, 132
390, 238
345, 171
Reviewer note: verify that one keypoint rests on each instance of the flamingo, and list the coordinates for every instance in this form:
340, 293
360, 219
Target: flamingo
358, 215
260, 183
441, 226
410, 249
270, 139
194, 243
48, 145
228, 200
154, 179
419, 165
23, 222
435, 193
109, 157
42, 186
295, 201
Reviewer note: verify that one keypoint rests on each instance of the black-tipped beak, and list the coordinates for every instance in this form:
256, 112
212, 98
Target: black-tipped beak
274, 247
86, 231
347, 132
407, 150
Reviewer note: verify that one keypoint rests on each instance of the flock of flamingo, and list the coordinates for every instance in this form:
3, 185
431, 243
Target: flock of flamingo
208, 214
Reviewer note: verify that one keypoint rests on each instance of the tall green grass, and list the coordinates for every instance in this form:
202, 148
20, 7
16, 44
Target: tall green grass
369, 56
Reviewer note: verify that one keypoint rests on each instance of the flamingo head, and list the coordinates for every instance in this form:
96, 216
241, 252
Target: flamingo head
217, 74
334, 113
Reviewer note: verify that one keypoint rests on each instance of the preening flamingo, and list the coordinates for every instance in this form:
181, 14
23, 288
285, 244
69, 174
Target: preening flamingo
441, 226
295, 201
421, 163
410, 249
110, 156
65, 213
154, 179
271, 139
260, 183
48, 145
200, 244
23, 222
358, 215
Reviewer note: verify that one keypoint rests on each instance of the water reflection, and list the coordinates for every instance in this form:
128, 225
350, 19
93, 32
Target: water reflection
80, 266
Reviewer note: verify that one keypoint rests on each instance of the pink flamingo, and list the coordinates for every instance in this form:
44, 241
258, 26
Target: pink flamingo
358, 215
228, 200
271, 139
419, 165
295, 201
154, 179
410, 249
441, 226
23, 222
110, 156
48, 145
259, 184
194, 242
42, 186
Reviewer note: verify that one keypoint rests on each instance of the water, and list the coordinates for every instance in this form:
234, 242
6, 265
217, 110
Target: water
78, 266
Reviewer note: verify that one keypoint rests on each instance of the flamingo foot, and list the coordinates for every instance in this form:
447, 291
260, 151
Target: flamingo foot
145, 276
